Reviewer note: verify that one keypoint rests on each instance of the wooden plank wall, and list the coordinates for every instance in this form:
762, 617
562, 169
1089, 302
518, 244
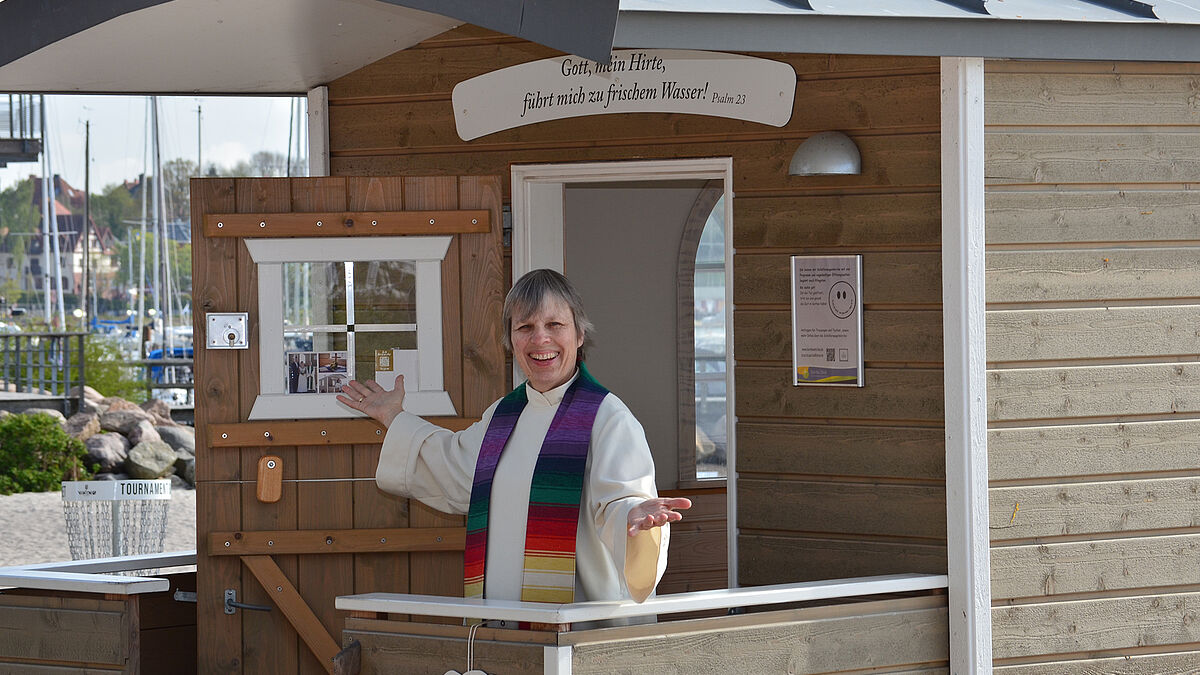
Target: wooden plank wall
59, 632
325, 486
834, 482
1093, 290
902, 635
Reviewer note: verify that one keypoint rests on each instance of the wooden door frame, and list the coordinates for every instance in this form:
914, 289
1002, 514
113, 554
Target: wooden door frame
537, 242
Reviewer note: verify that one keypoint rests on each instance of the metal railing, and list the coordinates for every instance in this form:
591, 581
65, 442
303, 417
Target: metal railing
168, 374
48, 365
20, 117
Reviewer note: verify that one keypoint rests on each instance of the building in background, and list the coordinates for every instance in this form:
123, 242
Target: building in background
22, 254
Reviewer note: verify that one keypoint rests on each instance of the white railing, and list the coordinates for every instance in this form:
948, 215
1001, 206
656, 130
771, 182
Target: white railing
536, 612
96, 576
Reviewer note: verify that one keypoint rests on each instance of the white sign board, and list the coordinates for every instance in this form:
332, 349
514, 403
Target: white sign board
637, 80
827, 320
118, 490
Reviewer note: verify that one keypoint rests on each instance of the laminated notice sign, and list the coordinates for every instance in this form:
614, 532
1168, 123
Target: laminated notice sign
827, 320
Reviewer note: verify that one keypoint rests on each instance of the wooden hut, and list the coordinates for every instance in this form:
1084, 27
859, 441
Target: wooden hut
1028, 424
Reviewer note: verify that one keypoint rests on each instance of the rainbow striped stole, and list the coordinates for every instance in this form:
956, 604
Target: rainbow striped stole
554, 495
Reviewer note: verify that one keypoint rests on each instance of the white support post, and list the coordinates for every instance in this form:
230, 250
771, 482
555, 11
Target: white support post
318, 131
963, 326
556, 660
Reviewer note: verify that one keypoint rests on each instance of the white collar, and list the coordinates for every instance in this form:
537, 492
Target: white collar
552, 397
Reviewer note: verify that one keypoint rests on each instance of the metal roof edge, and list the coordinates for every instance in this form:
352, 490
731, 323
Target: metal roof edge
910, 36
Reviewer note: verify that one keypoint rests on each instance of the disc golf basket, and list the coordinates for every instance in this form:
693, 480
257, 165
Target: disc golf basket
110, 519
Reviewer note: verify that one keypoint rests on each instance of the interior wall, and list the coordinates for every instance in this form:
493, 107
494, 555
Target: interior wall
1093, 348
831, 483
616, 239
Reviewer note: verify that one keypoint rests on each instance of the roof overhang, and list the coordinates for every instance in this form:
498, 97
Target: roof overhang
1109, 30
199, 46
291, 46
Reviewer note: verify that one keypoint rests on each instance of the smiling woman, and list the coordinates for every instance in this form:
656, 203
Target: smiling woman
560, 461
548, 329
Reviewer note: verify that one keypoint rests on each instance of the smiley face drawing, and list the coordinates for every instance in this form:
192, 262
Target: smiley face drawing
841, 299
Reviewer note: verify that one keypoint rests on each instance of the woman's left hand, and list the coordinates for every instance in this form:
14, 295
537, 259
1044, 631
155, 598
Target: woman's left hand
656, 512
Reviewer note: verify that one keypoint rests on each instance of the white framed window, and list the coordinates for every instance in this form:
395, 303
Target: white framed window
342, 308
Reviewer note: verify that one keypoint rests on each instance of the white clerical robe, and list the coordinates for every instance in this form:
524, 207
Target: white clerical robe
437, 467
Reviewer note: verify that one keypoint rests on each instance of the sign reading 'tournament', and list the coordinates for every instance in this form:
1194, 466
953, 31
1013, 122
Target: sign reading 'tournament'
637, 80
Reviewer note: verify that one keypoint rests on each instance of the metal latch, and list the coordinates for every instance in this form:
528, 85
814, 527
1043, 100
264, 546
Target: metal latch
227, 330
232, 605
185, 596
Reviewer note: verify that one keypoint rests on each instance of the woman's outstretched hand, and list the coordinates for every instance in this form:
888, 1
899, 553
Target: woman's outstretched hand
370, 398
657, 512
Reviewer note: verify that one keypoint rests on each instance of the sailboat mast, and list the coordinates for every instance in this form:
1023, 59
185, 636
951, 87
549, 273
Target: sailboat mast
141, 308
46, 199
157, 266
62, 314
88, 309
162, 260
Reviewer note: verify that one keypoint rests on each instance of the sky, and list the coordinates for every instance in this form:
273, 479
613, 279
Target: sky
231, 129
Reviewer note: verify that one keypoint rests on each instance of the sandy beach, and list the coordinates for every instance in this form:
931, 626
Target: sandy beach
33, 529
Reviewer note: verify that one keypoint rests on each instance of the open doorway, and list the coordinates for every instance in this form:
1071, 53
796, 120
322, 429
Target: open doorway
647, 245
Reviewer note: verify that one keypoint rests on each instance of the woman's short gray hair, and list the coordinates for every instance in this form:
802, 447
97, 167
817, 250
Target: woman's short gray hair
531, 290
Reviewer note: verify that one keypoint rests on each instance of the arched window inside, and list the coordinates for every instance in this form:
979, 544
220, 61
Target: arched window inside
702, 348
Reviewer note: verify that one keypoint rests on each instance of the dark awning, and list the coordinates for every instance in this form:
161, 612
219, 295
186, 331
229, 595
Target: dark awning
1120, 30
290, 46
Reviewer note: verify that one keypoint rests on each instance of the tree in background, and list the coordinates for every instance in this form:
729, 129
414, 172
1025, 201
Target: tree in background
266, 164
116, 208
19, 219
177, 176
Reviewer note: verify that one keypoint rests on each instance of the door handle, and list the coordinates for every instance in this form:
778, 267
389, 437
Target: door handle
232, 605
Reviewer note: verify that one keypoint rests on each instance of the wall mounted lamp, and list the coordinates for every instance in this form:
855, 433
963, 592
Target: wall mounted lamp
824, 154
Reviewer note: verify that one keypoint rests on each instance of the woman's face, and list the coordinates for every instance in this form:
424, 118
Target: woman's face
545, 344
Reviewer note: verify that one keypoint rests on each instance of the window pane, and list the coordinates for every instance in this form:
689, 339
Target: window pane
366, 344
314, 293
709, 314
385, 291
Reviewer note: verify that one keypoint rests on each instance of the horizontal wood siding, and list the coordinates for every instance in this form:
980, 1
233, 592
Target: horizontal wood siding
908, 635
1093, 347
75, 633
394, 118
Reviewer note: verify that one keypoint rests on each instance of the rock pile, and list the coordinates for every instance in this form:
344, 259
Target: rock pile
128, 440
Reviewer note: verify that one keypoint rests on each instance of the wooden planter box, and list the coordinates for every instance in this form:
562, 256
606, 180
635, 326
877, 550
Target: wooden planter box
70, 632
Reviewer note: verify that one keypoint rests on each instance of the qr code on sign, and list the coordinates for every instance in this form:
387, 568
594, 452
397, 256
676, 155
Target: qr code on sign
829, 354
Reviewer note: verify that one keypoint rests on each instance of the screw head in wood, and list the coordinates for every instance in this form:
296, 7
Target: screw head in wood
220, 224
431, 221
262, 223
320, 224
